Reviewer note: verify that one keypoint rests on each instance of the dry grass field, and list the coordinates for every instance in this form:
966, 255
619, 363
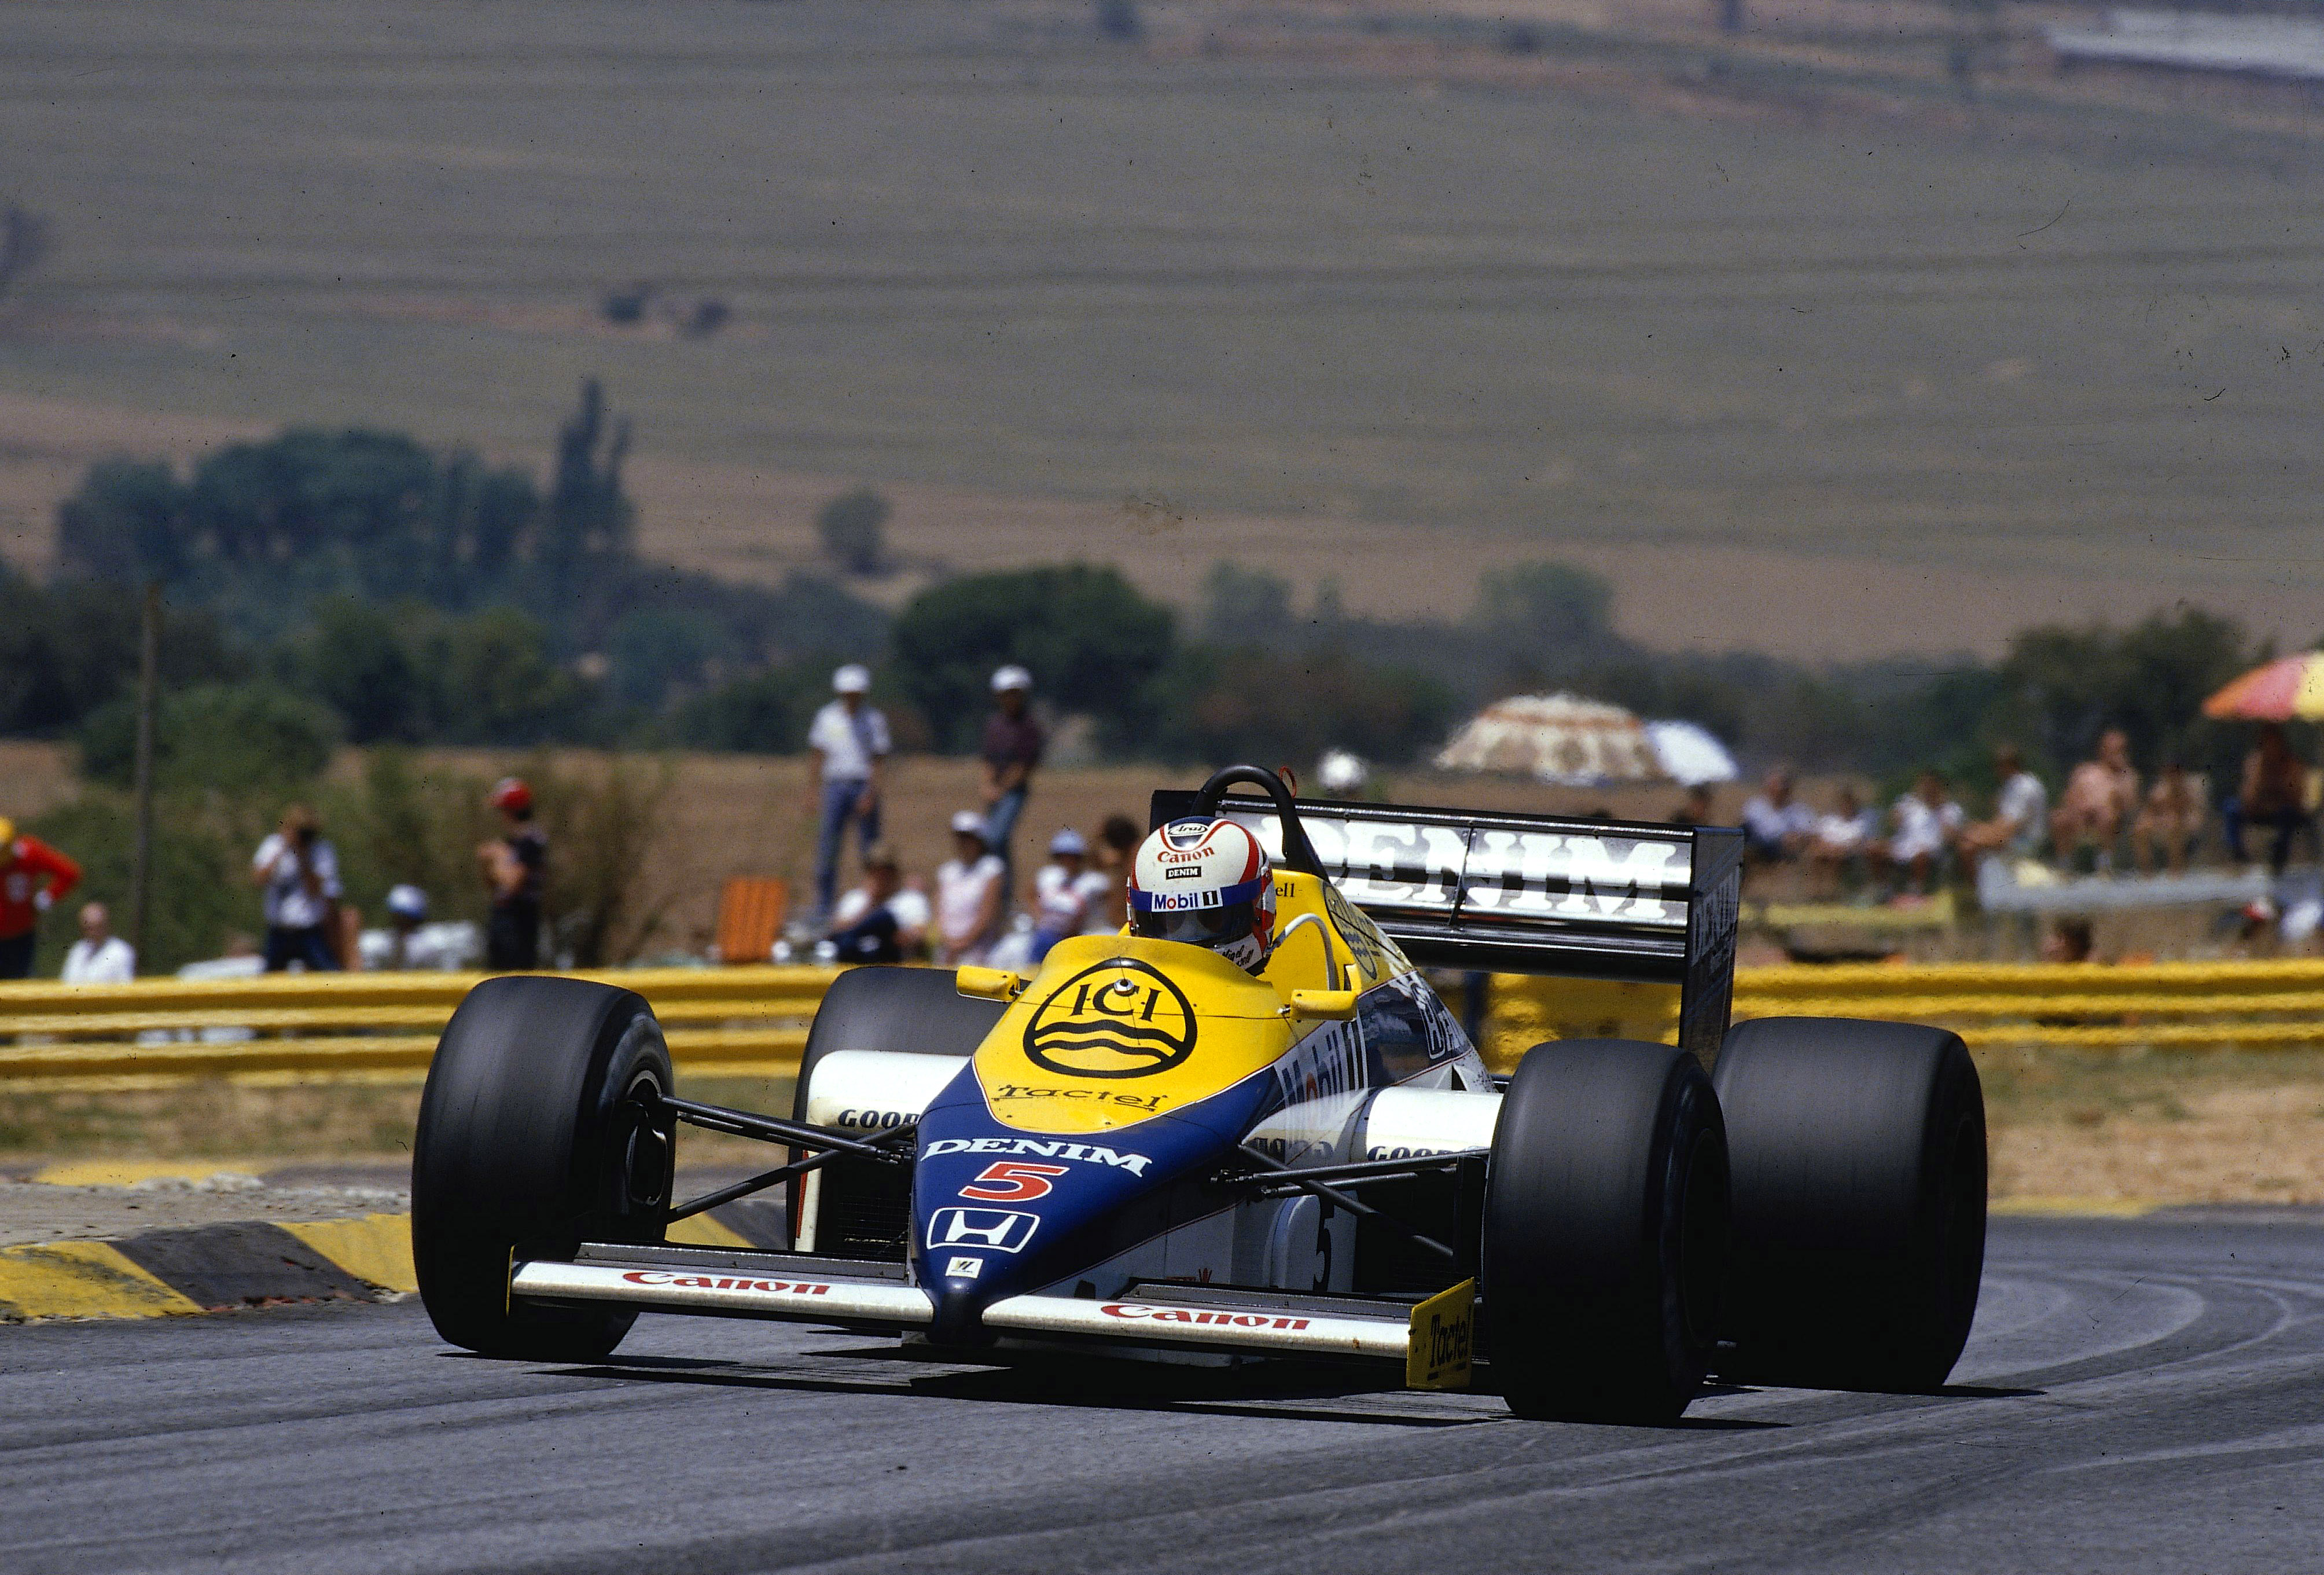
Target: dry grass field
1809, 354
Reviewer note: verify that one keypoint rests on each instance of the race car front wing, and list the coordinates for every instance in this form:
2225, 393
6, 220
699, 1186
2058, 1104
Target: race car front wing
1431, 1338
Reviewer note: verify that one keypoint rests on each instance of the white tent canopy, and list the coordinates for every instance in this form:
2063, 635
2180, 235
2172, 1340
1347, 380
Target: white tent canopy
1691, 754
1560, 738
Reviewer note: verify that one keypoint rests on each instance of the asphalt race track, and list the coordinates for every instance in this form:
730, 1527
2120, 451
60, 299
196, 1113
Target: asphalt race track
2141, 1395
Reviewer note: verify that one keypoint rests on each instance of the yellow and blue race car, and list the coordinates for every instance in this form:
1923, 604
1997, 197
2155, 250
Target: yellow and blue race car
1145, 1146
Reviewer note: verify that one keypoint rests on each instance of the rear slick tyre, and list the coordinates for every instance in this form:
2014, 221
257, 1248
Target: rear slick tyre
1859, 1169
1604, 1232
542, 1127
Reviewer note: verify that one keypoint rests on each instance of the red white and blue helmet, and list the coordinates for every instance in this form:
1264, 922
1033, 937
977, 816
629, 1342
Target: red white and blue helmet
1206, 883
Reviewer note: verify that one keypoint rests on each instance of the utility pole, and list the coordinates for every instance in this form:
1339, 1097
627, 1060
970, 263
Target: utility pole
148, 662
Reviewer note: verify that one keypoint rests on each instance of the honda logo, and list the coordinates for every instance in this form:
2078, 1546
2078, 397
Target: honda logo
1001, 1229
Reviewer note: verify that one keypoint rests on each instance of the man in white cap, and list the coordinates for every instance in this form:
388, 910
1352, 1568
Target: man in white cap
1011, 749
969, 888
849, 739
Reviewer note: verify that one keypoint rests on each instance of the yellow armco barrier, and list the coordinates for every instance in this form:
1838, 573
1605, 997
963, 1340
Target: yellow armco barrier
733, 1021
2174, 1005
752, 1021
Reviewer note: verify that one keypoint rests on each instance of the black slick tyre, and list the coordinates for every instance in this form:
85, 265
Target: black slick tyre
1860, 1171
541, 1128
1604, 1234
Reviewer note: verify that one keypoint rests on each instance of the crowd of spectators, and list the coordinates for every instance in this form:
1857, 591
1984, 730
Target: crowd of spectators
974, 909
2108, 820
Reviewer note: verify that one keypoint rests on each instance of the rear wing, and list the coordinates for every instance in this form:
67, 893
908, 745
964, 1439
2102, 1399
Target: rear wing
1503, 893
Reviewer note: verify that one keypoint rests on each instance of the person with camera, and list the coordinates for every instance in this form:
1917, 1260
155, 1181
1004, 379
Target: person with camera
298, 872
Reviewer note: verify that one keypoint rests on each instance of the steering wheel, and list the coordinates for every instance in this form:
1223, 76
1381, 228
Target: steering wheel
1297, 851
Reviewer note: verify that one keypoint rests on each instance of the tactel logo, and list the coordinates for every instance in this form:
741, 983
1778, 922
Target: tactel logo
1148, 1102
1118, 1019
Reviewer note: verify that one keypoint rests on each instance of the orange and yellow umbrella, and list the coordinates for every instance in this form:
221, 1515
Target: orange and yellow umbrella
2289, 689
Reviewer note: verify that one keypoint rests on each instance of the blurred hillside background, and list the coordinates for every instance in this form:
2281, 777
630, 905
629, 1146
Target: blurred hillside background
1838, 373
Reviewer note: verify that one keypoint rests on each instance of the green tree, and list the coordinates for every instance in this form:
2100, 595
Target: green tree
125, 522
590, 521
1221, 705
66, 650
2061, 688
1245, 607
495, 682
1091, 642
359, 663
231, 739
762, 713
1540, 606
853, 526
654, 652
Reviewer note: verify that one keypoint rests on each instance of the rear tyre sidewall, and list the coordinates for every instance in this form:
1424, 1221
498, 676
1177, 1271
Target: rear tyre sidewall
539, 1129
1859, 1175
1604, 1232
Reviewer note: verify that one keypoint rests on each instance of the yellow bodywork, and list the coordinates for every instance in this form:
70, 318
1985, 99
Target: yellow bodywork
1116, 1029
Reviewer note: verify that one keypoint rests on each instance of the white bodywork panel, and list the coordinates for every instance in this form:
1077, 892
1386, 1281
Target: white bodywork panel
866, 1090
677, 1288
1405, 1122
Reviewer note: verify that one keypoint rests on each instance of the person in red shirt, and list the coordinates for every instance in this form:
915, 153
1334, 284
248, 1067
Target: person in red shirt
33, 877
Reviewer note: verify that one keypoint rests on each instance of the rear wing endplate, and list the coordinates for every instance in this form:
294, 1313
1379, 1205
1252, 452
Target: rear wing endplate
1504, 893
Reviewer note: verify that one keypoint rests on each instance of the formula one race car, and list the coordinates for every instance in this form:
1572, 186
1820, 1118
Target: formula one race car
1147, 1148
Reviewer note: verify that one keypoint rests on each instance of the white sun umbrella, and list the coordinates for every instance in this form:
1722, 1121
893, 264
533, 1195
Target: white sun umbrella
1558, 739
1691, 753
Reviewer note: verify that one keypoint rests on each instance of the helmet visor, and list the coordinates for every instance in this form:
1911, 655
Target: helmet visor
1196, 926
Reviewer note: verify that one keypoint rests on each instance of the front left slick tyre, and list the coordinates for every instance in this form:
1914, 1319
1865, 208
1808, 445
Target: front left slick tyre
1604, 1232
542, 1127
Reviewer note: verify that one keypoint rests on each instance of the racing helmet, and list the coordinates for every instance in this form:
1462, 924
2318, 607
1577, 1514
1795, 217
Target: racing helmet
1207, 883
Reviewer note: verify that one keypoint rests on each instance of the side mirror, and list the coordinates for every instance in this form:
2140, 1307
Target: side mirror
990, 984
1331, 1005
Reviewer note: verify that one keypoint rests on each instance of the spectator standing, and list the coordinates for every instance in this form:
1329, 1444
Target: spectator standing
881, 920
1927, 820
969, 890
1108, 877
2101, 797
2021, 810
516, 873
298, 872
1011, 749
2273, 794
1775, 827
849, 739
33, 877
2164, 836
99, 956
